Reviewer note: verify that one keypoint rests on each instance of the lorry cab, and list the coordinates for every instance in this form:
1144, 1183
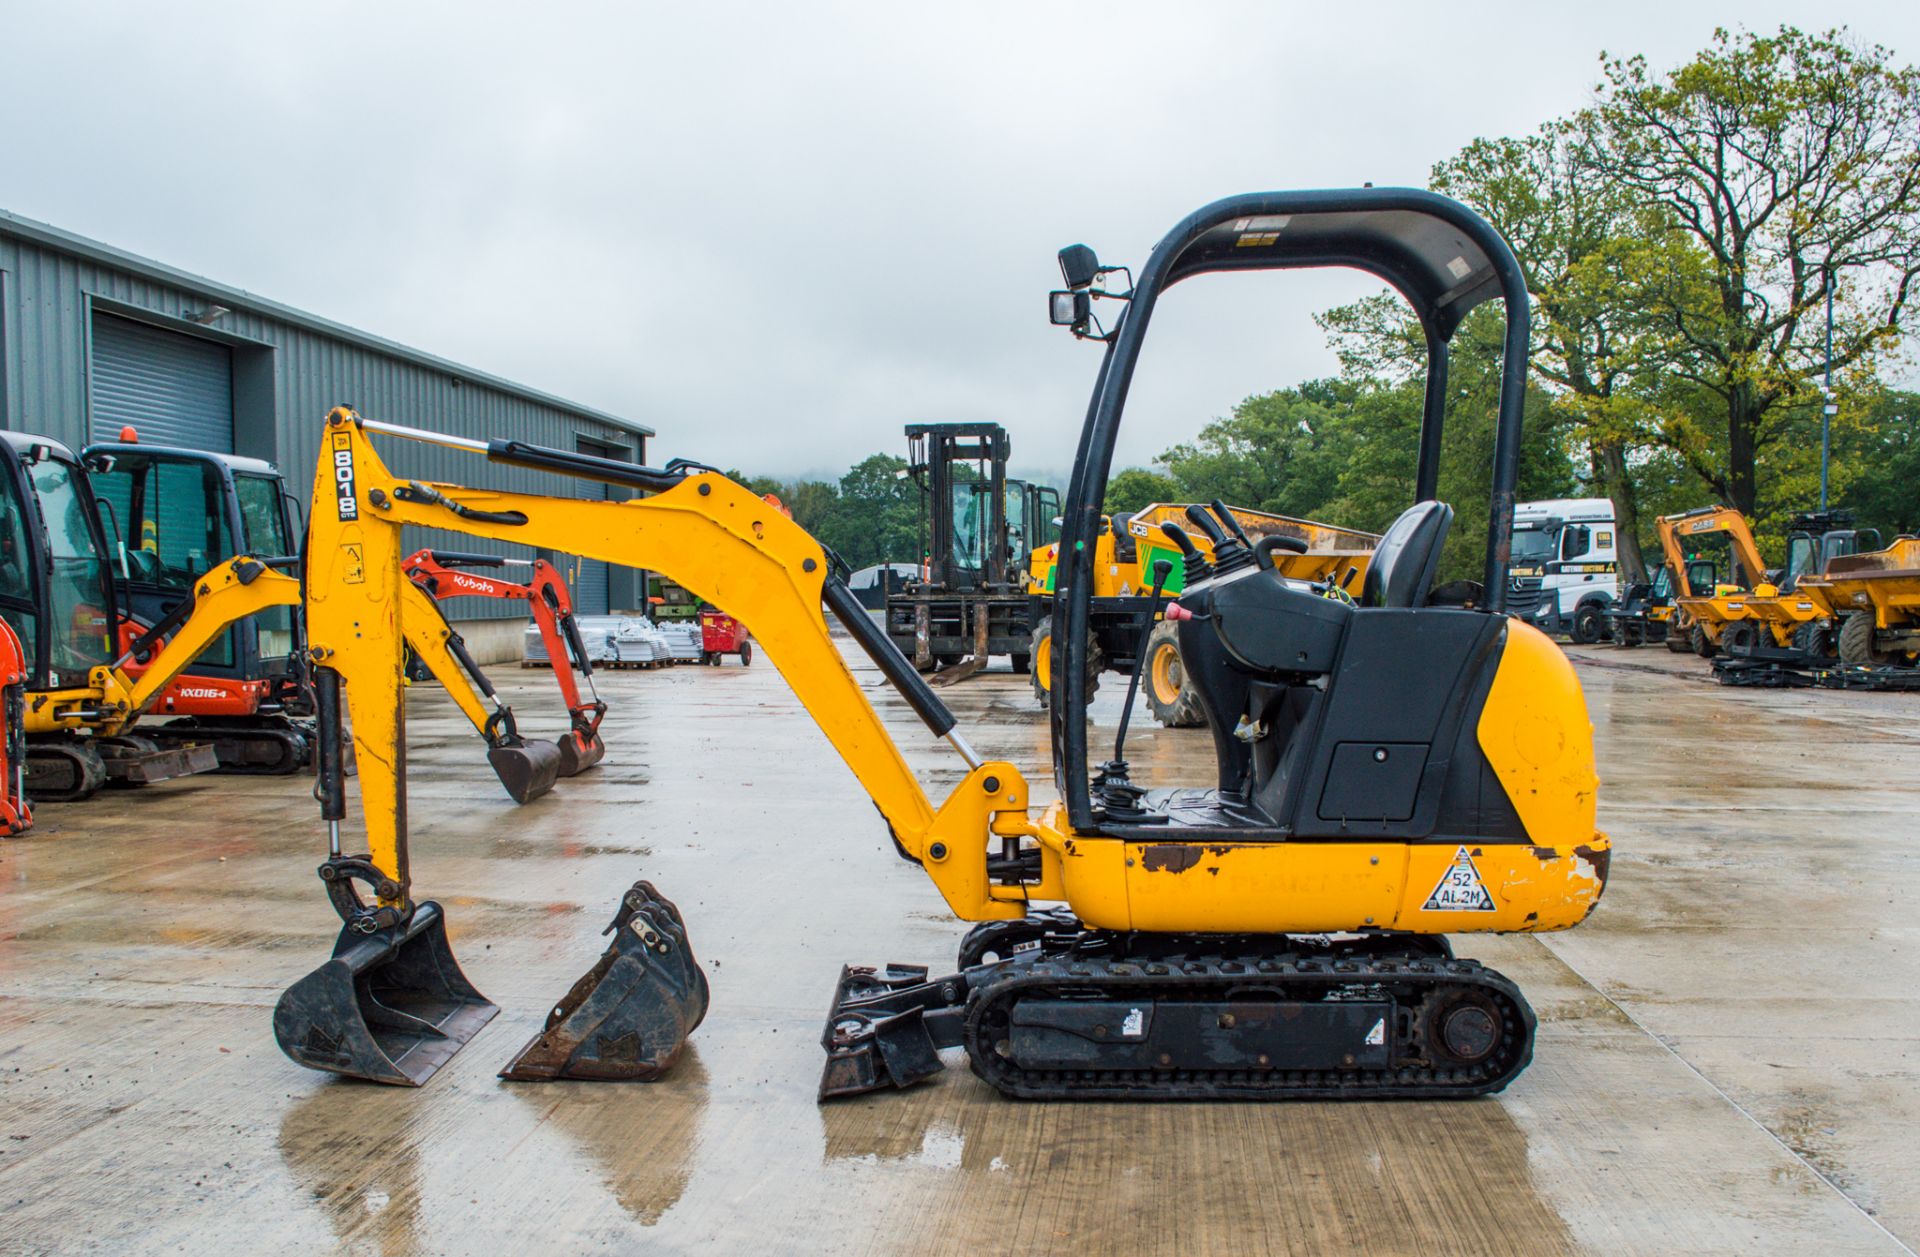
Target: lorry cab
1565, 571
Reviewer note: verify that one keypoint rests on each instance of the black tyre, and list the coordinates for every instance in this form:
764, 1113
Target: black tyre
1040, 662
1856, 642
1170, 693
1677, 640
1814, 639
1588, 625
1702, 644
1628, 635
1739, 638
746, 654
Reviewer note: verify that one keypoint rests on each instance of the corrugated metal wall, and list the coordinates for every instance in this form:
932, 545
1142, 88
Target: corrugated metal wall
286, 376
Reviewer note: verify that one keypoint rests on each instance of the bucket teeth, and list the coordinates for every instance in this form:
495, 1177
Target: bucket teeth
629, 1016
391, 1006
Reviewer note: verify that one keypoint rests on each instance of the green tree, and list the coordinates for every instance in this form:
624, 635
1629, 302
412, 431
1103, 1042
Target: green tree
1881, 458
1135, 487
1787, 163
881, 511
1580, 242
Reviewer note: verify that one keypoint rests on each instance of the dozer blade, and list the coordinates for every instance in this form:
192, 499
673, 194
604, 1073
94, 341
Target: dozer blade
886, 1028
527, 770
391, 1006
630, 1016
579, 751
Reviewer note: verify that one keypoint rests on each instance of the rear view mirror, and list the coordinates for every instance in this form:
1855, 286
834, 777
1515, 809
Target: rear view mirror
1078, 266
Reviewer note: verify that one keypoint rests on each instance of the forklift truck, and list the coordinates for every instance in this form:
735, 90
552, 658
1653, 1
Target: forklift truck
977, 529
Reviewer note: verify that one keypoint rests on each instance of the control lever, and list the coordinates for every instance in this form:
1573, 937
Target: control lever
1119, 796
1201, 516
1229, 554
1227, 518
1264, 548
1197, 567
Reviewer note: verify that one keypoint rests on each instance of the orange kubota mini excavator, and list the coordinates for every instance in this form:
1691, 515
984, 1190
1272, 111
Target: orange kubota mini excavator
450, 574
1391, 769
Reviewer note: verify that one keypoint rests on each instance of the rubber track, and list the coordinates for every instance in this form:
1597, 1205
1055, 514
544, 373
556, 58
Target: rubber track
1409, 981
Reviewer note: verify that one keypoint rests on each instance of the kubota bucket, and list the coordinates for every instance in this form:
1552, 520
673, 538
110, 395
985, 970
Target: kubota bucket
391, 1006
580, 750
630, 1016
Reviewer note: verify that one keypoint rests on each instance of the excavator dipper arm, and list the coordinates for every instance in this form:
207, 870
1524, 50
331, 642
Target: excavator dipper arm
704, 531
232, 591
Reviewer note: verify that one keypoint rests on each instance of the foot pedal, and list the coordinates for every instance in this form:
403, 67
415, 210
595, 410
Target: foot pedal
629, 1017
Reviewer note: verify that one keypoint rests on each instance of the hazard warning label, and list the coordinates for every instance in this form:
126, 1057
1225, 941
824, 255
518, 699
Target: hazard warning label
1460, 888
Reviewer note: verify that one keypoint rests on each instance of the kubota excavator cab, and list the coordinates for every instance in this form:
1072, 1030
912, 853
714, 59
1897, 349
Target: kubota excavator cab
182, 512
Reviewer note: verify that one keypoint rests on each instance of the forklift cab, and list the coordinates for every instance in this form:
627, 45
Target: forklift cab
55, 589
1331, 720
968, 504
178, 513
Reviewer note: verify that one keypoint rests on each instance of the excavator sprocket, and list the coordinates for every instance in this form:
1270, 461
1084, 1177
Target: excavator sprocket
627, 1018
1191, 1018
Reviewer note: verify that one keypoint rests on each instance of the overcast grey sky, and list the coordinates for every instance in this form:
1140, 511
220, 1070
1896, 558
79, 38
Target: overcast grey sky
777, 233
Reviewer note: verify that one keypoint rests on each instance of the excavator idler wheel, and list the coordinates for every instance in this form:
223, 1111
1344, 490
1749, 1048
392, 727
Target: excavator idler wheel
391, 1006
629, 1017
527, 770
579, 751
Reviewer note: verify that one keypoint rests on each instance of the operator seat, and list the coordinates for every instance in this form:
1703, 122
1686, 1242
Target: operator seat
1404, 563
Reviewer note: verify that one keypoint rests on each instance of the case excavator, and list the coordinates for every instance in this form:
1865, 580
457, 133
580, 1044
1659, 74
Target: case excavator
1390, 770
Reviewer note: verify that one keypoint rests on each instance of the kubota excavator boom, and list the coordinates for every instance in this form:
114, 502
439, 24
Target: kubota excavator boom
450, 574
1391, 769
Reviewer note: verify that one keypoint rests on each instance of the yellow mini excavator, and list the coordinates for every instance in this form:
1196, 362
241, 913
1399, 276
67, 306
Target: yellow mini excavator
1392, 769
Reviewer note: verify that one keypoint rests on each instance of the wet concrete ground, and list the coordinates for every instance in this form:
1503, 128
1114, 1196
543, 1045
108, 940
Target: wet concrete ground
1728, 1060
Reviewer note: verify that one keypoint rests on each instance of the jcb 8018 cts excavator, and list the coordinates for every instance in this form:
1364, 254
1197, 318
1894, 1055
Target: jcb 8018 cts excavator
1389, 771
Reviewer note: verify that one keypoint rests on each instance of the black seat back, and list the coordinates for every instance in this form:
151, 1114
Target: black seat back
1407, 557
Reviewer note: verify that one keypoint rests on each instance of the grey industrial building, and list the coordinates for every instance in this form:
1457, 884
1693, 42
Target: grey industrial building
93, 339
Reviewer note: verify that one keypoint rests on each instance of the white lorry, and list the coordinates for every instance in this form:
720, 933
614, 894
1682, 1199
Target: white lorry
1564, 571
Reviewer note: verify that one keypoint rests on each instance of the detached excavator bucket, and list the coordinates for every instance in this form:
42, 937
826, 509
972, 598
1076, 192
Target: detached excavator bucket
630, 1016
526, 769
580, 750
391, 1006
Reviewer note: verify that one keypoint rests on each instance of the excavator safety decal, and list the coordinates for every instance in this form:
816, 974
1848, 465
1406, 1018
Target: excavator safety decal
1460, 888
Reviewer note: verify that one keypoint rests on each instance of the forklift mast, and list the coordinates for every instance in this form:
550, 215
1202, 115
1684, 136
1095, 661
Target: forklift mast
961, 469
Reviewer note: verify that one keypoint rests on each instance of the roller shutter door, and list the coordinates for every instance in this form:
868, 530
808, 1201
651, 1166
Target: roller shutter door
590, 595
176, 390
